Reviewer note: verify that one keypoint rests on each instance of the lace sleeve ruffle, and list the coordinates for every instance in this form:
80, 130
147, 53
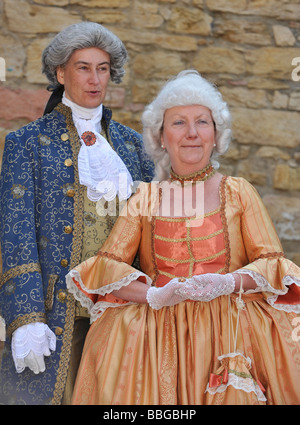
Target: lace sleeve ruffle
275, 297
91, 298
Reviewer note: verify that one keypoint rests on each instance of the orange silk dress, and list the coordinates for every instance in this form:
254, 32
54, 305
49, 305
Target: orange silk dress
193, 352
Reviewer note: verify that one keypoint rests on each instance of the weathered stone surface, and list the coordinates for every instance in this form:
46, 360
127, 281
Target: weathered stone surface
271, 61
283, 36
294, 101
285, 214
280, 100
11, 50
190, 21
219, 59
158, 64
272, 152
239, 96
266, 127
104, 17
281, 9
20, 103
286, 178
242, 31
34, 61
163, 40
146, 15
102, 3
37, 19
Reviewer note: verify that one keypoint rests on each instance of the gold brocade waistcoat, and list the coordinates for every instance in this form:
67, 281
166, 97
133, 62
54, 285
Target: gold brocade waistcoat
97, 226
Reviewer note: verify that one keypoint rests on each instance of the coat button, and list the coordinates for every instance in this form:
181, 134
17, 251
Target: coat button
68, 162
64, 137
62, 296
70, 193
58, 331
64, 263
68, 229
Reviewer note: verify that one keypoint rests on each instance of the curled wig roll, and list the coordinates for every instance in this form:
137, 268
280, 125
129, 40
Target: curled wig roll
81, 36
187, 88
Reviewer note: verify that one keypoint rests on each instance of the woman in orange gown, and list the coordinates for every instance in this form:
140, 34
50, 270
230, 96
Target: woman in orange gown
211, 315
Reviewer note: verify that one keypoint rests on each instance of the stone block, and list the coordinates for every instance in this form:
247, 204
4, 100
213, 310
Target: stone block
34, 61
270, 8
158, 64
286, 178
146, 15
280, 100
219, 59
241, 96
12, 51
274, 62
35, 19
190, 21
283, 36
109, 16
294, 101
22, 103
272, 152
242, 31
285, 214
266, 127
164, 40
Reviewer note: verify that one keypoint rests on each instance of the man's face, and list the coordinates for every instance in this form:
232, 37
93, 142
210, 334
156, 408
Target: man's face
86, 76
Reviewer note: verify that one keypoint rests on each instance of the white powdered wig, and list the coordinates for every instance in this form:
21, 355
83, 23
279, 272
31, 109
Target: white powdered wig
187, 88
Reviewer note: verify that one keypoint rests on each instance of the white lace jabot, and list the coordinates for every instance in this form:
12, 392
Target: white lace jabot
100, 168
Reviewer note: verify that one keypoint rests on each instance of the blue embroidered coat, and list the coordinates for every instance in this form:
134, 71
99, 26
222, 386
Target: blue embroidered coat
41, 229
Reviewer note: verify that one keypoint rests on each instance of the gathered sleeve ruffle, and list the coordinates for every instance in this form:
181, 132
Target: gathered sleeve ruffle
264, 260
93, 281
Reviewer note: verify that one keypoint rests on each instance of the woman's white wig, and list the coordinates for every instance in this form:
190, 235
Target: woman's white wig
187, 88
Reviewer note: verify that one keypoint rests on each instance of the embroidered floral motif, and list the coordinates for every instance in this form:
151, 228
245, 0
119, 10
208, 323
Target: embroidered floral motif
18, 191
43, 242
10, 287
89, 219
44, 140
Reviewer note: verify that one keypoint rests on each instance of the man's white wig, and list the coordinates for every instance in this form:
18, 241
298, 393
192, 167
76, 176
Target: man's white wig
187, 88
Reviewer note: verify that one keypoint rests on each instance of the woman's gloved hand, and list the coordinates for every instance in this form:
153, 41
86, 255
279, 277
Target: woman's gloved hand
206, 287
166, 295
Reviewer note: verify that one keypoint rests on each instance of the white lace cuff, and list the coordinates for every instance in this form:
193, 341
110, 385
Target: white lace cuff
96, 310
264, 286
35, 337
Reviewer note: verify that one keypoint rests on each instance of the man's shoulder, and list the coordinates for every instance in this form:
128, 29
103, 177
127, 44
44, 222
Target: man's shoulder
38, 125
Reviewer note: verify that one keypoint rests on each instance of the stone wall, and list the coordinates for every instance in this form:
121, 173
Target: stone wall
249, 48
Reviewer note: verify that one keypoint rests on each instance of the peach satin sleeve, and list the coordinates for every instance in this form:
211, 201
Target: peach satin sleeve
258, 248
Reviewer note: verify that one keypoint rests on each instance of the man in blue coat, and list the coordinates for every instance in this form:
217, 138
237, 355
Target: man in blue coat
58, 175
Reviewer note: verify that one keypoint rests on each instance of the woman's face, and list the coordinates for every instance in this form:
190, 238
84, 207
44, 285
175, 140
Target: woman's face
86, 76
188, 135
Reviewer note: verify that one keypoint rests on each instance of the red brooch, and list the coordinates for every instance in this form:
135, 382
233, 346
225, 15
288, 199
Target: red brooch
89, 138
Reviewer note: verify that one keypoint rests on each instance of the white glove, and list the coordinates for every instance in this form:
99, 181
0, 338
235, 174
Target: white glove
206, 287
166, 295
30, 343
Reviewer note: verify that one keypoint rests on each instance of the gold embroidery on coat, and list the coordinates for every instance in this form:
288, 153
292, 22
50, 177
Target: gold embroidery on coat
75, 257
25, 319
52, 279
18, 270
